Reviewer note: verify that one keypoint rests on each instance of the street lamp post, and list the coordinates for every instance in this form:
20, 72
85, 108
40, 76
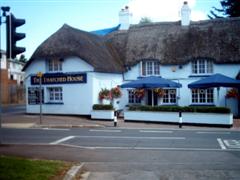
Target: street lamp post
39, 75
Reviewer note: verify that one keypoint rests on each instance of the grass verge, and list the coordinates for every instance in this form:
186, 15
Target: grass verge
21, 168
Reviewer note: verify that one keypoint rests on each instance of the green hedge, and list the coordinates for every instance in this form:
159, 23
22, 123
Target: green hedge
102, 107
203, 109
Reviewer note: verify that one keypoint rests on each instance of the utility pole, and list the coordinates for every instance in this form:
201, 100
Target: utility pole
3, 11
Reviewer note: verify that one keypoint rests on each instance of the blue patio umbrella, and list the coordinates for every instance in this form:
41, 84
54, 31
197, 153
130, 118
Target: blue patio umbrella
151, 82
216, 80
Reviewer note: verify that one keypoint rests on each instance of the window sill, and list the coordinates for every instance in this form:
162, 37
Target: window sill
199, 75
54, 103
202, 105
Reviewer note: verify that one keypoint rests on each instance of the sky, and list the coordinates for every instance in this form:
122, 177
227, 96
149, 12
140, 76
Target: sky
44, 17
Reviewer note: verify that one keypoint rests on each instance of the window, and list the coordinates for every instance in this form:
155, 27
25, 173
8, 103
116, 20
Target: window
202, 96
55, 65
169, 96
150, 68
55, 94
202, 66
132, 98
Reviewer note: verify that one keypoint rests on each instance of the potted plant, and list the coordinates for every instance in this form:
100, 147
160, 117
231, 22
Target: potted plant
115, 95
104, 96
232, 93
139, 93
116, 92
160, 93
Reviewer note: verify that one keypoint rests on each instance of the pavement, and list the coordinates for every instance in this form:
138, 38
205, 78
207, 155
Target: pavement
22, 120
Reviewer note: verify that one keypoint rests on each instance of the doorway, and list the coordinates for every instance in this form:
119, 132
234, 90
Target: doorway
152, 98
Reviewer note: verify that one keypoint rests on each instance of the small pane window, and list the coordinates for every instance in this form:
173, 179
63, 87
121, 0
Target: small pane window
202, 66
170, 96
202, 96
132, 98
54, 65
55, 94
150, 68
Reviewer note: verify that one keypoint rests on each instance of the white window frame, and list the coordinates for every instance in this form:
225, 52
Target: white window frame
202, 67
150, 68
202, 96
132, 98
54, 65
55, 94
170, 94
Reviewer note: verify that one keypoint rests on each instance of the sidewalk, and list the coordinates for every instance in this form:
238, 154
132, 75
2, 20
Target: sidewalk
58, 121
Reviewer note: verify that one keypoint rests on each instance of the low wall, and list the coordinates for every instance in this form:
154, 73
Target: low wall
102, 114
173, 117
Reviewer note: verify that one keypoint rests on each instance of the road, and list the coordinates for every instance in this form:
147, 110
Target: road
114, 153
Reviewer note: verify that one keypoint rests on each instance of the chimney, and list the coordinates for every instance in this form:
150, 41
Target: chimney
125, 18
185, 14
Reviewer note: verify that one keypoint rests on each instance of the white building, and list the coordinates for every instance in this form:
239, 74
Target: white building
78, 64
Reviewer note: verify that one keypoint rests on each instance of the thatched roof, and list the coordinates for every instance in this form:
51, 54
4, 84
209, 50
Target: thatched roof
167, 42
93, 49
171, 43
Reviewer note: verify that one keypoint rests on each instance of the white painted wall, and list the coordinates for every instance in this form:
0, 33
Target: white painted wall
77, 98
106, 80
182, 74
3, 61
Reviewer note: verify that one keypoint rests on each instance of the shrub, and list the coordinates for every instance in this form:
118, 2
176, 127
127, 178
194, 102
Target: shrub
206, 109
102, 107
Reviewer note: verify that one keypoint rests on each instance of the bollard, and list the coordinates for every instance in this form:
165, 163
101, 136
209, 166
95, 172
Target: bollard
115, 118
180, 119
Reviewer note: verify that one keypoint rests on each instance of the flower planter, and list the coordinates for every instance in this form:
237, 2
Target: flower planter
106, 101
207, 118
173, 117
102, 114
151, 116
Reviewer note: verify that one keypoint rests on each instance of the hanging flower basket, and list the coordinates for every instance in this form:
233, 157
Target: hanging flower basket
116, 92
160, 92
104, 94
139, 93
233, 93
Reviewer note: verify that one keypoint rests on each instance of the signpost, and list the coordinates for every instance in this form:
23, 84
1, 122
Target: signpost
39, 75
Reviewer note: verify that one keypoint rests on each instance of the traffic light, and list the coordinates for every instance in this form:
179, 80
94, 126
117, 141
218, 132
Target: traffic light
12, 36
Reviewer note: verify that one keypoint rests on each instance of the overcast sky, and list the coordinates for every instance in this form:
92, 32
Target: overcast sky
44, 17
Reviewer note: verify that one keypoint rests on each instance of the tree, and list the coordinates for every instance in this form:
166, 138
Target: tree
145, 20
230, 8
22, 58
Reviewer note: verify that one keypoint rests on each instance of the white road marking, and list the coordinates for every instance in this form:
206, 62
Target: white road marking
232, 143
97, 130
209, 132
58, 129
147, 131
220, 142
147, 148
131, 137
63, 140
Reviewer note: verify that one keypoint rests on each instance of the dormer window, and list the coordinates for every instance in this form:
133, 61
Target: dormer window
150, 68
202, 66
55, 65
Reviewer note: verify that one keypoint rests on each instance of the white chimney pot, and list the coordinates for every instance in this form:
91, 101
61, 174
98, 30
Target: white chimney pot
125, 18
185, 14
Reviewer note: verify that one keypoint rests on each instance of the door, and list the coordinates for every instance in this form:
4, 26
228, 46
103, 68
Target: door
152, 98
